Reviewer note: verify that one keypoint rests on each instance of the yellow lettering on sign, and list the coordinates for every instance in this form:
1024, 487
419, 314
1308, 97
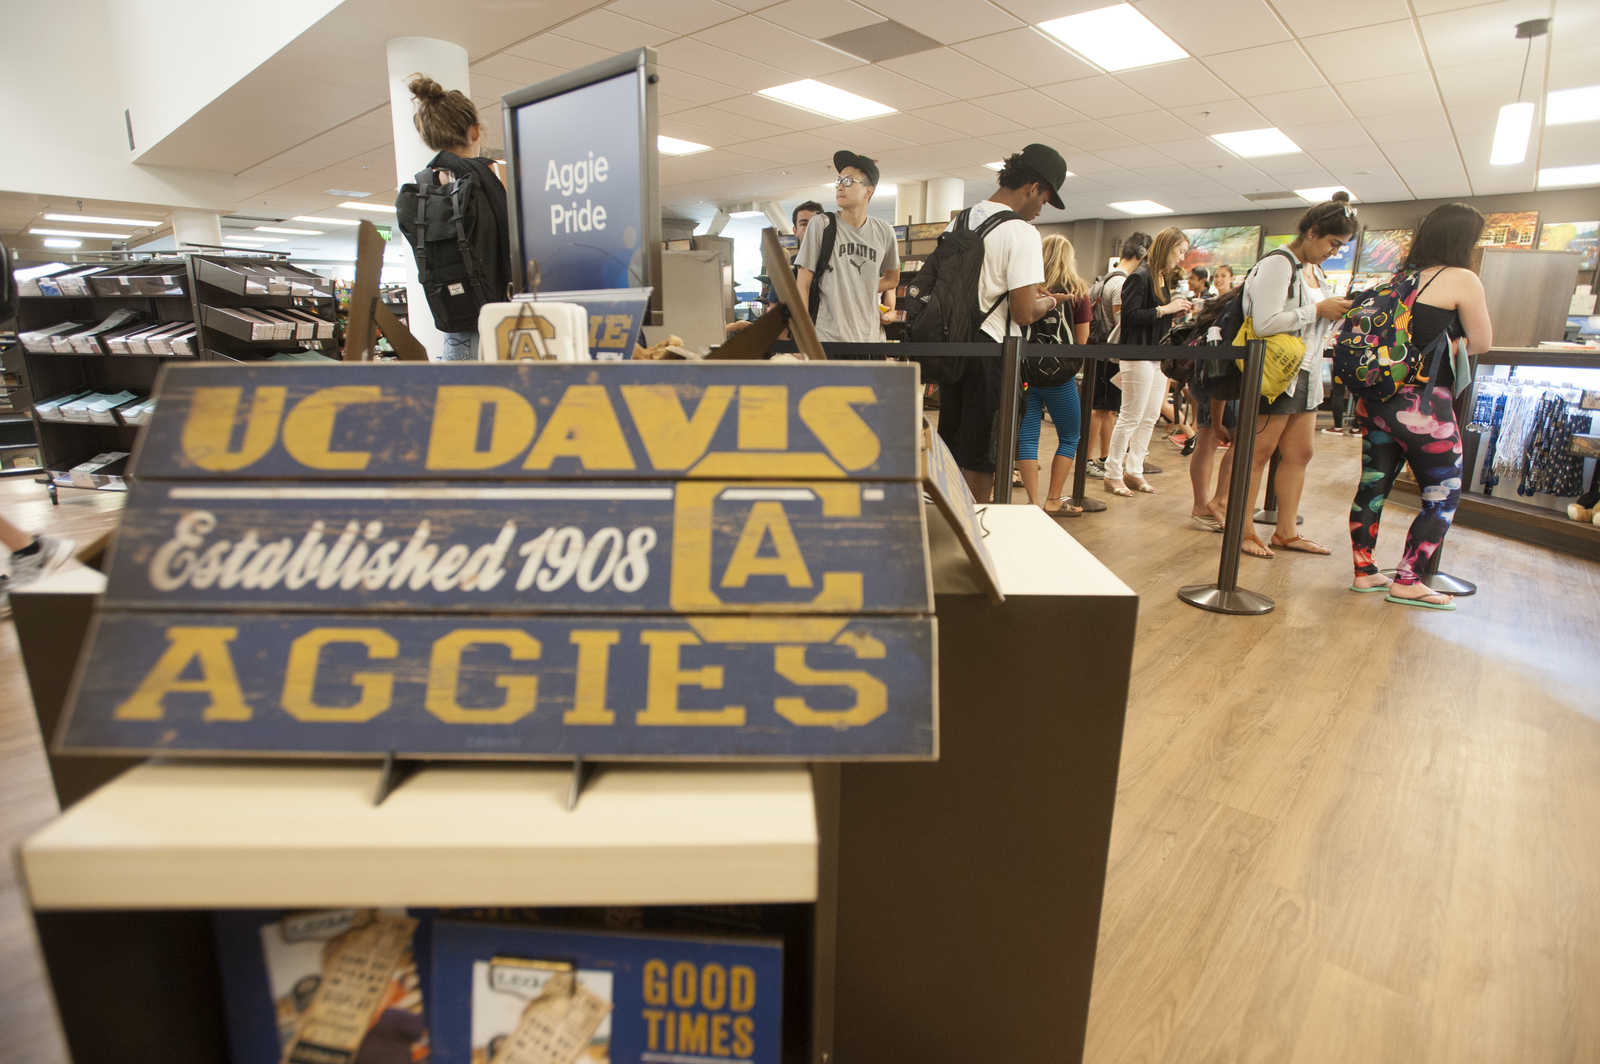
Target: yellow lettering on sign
872, 696
300, 676
713, 986
672, 439
741, 989
829, 414
719, 1035
594, 661
655, 982
205, 647
585, 426
653, 1018
666, 675
692, 1032
744, 1041
458, 410
444, 676
308, 430
617, 329
763, 417
767, 518
209, 430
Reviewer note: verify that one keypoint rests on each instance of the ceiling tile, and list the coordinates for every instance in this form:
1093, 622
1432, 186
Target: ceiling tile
675, 126
1412, 126
1373, 52
679, 16
1486, 32
1083, 136
1027, 55
887, 87
1266, 69
952, 72
1273, 165
1574, 68
558, 52
970, 150
772, 112
1471, 118
774, 151
614, 32
947, 21
1098, 97
1356, 157
870, 141
1149, 126
682, 86
702, 59
1192, 150
1574, 145
1134, 156
1037, 11
1399, 94
1223, 116
1301, 107
1219, 26
1177, 84
907, 127
1029, 107
1494, 82
1307, 18
932, 158
820, 18
785, 50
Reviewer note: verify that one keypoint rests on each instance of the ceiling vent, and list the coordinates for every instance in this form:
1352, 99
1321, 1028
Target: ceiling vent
881, 40
1280, 198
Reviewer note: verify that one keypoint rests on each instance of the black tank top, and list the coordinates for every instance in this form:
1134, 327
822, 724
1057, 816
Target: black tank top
1427, 322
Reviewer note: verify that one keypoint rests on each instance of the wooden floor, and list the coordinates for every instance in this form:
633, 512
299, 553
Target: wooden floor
1347, 831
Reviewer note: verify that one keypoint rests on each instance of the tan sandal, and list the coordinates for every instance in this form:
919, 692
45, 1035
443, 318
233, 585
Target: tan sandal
1311, 546
1140, 485
1066, 509
1266, 552
1117, 487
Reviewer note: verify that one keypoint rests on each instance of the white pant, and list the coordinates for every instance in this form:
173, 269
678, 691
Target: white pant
1143, 388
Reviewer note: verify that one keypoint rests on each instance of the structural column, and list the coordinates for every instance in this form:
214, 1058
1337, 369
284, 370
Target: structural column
445, 63
196, 227
946, 195
910, 202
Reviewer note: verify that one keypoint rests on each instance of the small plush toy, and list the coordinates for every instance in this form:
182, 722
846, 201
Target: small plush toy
1585, 508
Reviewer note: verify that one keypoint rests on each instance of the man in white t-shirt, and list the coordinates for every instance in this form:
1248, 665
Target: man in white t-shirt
863, 264
1012, 284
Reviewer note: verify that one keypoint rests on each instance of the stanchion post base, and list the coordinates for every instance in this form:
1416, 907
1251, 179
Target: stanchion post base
1238, 602
1088, 505
1443, 583
1270, 517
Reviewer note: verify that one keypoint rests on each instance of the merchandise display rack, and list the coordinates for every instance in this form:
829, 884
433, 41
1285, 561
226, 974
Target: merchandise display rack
19, 440
201, 286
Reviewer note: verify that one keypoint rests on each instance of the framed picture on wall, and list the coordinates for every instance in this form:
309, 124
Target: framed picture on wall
1573, 236
1515, 229
1383, 250
1235, 245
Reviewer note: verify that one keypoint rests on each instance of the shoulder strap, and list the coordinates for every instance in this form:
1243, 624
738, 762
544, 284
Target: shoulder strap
830, 236
994, 220
1432, 279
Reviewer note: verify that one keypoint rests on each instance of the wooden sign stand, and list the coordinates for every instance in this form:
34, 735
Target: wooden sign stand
753, 342
943, 479
367, 310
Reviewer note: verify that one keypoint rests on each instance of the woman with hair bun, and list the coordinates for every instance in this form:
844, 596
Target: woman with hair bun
448, 123
1286, 292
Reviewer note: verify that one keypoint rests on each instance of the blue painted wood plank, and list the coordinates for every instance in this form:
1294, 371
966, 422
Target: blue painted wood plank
689, 546
601, 420
747, 687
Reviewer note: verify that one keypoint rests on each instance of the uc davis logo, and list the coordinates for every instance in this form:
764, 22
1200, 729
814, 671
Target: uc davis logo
523, 337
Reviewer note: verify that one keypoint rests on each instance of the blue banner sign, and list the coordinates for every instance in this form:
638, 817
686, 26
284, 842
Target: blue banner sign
615, 316
543, 687
687, 546
674, 1000
455, 421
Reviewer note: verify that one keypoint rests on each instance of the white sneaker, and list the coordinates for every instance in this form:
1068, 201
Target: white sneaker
52, 554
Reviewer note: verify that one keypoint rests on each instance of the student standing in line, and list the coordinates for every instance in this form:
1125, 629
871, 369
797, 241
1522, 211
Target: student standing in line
800, 218
1286, 293
1149, 304
1012, 283
1105, 298
1222, 279
1216, 420
448, 123
1418, 425
1060, 278
865, 260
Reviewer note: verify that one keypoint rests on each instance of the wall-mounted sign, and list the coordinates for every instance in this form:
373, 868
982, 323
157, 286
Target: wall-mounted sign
585, 202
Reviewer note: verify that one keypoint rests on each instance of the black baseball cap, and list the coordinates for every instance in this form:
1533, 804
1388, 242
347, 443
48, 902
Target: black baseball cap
1048, 164
842, 159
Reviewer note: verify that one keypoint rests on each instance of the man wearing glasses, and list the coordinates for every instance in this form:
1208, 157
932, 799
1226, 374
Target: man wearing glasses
864, 261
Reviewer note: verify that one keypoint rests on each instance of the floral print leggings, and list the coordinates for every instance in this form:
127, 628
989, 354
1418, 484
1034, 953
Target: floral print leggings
1419, 427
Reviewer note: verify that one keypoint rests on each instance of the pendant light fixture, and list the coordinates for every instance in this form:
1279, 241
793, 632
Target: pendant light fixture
1515, 126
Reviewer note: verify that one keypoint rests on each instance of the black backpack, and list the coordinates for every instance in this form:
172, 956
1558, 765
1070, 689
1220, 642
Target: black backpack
1056, 327
824, 264
942, 299
459, 234
1105, 319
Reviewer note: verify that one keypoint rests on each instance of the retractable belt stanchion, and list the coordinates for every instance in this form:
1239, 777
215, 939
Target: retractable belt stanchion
1080, 468
1005, 441
1226, 596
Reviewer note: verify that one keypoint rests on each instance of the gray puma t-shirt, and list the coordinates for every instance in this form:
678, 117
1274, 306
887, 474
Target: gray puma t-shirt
849, 311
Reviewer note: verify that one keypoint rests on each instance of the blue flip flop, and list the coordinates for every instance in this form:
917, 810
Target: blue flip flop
1369, 590
1420, 602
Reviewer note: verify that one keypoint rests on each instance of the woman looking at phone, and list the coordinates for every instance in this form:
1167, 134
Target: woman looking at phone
1148, 305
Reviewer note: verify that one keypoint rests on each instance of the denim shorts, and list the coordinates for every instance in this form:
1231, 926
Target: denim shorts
1202, 400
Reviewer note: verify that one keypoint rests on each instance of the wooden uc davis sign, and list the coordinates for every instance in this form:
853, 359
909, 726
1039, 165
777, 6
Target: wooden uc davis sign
628, 560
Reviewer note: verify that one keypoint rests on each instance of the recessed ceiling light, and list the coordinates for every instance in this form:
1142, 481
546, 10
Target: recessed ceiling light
80, 233
995, 166
1566, 106
1319, 195
254, 241
674, 146
345, 192
291, 232
822, 99
1254, 143
367, 207
1568, 176
60, 242
324, 221
1511, 133
1115, 38
746, 214
1142, 206
85, 219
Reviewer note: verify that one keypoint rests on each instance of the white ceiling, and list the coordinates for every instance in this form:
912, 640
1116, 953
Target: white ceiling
1395, 99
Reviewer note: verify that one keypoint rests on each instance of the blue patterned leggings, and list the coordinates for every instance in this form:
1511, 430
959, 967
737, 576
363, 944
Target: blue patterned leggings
1062, 399
1419, 428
